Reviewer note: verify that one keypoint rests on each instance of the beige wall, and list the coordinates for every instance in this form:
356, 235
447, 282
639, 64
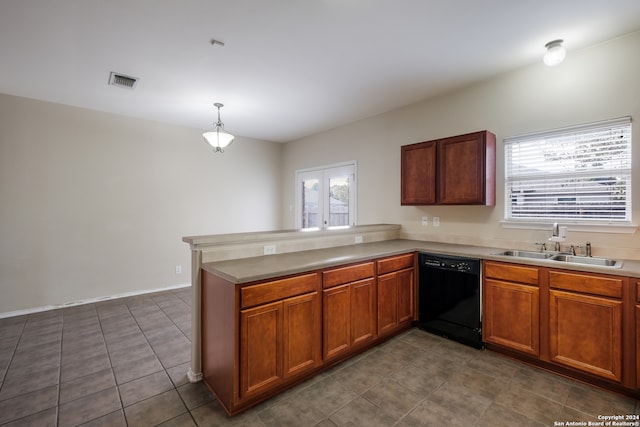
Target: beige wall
95, 204
592, 84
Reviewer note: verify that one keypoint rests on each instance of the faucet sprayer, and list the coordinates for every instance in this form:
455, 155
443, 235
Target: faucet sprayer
558, 235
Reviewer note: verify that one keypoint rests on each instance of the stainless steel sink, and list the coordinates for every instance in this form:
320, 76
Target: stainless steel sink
560, 257
602, 262
526, 254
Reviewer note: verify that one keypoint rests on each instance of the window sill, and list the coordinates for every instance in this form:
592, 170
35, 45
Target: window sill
572, 226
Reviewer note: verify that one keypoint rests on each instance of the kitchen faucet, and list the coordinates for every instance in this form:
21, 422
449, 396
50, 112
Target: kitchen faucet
543, 246
587, 249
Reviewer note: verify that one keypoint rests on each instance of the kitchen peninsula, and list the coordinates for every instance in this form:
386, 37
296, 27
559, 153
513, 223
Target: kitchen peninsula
247, 299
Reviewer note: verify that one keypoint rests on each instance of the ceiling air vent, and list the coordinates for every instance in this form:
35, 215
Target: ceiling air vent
120, 80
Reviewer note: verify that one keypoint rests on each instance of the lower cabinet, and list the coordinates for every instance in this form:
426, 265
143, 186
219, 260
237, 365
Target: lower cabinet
586, 333
581, 324
396, 293
395, 300
585, 329
277, 341
260, 338
512, 307
261, 341
512, 316
348, 309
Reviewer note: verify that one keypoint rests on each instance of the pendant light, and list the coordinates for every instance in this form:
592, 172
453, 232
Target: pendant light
218, 139
555, 53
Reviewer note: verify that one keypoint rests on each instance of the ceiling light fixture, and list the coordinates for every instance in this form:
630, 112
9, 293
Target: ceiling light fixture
555, 53
218, 139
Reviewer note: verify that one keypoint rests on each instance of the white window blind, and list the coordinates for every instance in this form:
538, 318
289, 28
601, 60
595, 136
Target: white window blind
581, 173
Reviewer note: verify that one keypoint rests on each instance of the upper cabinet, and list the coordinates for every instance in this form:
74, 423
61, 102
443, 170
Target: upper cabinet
458, 170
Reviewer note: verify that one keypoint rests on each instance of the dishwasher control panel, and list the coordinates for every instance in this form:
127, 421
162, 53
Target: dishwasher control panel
450, 262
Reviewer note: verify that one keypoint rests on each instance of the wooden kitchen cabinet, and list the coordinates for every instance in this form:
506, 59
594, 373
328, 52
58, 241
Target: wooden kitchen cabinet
581, 324
418, 166
263, 337
512, 307
586, 322
278, 340
258, 338
637, 334
348, 309
458, 170
396, 289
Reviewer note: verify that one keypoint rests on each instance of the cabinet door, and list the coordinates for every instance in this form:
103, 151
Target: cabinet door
260, 346
363, 311
406, 288
466, 165
395, 300
302, 334
512, 316
336, 320
586, 333
387, 303
418, 174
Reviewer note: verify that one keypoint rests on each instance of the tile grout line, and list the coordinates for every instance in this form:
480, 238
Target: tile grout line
13, 353
174, 384
169, 317
104, 340
60, 371
188, 411
170, 379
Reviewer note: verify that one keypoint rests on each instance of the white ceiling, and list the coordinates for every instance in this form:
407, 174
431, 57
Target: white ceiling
289, 68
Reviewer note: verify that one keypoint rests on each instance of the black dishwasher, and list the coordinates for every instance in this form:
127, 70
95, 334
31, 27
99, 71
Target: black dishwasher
449, 297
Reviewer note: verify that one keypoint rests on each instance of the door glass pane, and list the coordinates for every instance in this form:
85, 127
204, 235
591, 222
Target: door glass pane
339, 201
310, 203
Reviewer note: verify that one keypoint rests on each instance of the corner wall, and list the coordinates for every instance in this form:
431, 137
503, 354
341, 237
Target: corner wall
95, 205
592, 84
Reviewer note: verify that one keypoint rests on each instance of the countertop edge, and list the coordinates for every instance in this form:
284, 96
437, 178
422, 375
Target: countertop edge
247, 270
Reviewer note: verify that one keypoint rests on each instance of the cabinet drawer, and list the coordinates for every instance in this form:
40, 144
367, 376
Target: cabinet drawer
580, 282
340, 276
395, 263
512, 273
278, 289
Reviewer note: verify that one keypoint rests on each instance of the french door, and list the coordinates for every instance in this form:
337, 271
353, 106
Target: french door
325, 197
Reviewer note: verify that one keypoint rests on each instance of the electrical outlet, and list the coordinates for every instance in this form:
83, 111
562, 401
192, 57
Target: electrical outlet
178, 269
425, 221
269, 249
436, 221
358, 239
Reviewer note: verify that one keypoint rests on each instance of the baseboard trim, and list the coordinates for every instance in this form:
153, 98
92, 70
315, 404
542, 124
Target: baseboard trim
89, 301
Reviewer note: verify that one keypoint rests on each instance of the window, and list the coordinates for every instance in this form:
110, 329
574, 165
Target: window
325, 197
579, 174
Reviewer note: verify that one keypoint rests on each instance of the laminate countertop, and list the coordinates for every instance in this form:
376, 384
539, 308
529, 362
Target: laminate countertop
246, 270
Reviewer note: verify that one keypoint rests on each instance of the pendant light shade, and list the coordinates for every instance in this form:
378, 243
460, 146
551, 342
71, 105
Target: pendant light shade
218, 139
555, 53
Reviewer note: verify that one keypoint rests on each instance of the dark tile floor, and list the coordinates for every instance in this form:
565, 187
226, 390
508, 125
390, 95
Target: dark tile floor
124, 362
